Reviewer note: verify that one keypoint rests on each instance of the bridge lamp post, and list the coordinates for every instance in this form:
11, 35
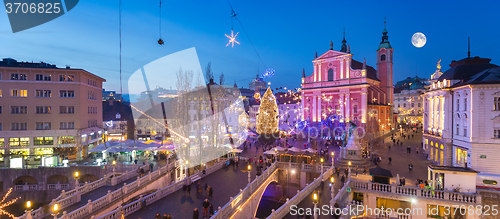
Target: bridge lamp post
332, 182
315, 202
28, 210
333, 158
77, 184
187, 162
321, 160
276, 153
249, 170
349, 163
55, 210
114, 167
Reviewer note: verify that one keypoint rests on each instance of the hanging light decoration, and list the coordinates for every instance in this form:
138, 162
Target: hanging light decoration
268, 73
232, 38
160, 41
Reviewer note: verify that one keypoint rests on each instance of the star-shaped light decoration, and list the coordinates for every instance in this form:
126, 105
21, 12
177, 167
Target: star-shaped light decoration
4, 204
232, 39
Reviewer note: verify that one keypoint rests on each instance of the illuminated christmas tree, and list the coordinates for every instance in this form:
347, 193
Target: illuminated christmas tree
268, 117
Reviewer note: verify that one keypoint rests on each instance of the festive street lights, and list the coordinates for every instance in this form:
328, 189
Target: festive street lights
55, 210
249, 170
315, 202
28, 210
349, 164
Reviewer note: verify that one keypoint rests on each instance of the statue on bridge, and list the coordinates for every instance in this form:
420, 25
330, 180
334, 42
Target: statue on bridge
352, 150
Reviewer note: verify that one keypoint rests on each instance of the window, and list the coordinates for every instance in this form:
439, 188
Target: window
382, 57
17, 126
461, 157
43, 109
18, 93
1, 130
18, 109
419, 105
489, 182
404, 105
39, 77
0, 109
496, 103
458, 104
496, 134
66, 109
67, 93
465, 131
355, 109
399, 105
465, 104
0, 91
67, 125
20, 77
43, 93
66, 140
330, 74
458, 129
337, 109
19, 141
412, 105
43, 140
66, 78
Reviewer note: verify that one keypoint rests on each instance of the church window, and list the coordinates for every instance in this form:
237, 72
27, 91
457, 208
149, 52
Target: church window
404, 105
355, 109
465, 104
330, 74
382, 57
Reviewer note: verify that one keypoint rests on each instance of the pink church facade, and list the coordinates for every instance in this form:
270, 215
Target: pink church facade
350, 90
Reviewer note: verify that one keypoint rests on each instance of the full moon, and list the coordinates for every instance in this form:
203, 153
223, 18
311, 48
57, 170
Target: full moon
418, 39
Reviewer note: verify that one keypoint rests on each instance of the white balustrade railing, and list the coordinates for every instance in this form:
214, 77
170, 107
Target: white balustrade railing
32, 187
229, 209
69, 198
418, 192
153, 197
285, 208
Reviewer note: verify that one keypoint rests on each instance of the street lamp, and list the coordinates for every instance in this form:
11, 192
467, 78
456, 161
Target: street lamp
28, 210
114, 165
332, 184
315, 202
187, 162
321, 161
276, 153
249, 170
349, 163
55, 210
77, 184
333, 160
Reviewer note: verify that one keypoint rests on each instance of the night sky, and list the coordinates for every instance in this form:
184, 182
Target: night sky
286, 34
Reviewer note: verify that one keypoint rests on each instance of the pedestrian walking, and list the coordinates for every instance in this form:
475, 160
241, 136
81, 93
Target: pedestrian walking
338, 172
188, 189
390, 160
211, 210
199, 191
210, 191
417, 150
410, 167
158, 216
196, 213
205, 204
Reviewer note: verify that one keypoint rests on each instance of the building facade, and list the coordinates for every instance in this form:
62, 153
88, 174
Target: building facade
45, 110
460, 116
259, 84
408, 103
341, 87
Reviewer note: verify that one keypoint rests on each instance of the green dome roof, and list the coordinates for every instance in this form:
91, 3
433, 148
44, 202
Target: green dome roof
386, 45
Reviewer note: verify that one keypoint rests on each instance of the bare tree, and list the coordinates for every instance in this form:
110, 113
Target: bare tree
181, 105
221, 78
199, 81
209, 74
